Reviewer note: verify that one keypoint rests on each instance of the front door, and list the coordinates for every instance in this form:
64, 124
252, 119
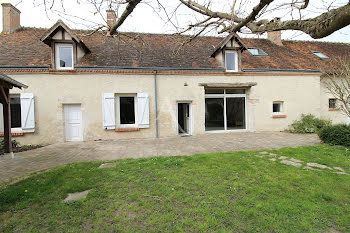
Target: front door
73, 122
184, 118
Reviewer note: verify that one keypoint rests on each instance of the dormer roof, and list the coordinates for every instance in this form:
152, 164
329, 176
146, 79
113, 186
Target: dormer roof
226, 40
60, 26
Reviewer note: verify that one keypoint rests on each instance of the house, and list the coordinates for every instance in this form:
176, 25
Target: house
91, 86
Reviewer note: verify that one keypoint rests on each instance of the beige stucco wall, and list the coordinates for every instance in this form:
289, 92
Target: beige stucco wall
335, 116
301, 94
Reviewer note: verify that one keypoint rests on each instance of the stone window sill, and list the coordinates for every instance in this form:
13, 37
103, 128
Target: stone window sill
13, 134
279, 116
126, 129
333, 109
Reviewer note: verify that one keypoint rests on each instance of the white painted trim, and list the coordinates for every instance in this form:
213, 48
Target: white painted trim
117, 102
190, 115
57, 56
236, 60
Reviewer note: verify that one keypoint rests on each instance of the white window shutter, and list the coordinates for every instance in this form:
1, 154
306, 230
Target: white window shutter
108, 110
27, 112
143, 110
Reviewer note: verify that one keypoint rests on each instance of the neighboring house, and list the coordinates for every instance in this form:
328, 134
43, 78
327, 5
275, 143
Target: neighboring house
135, 85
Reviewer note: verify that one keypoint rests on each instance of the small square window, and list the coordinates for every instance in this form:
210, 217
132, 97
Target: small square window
332, 103
231, 61
277, 108
320, 55
64, 56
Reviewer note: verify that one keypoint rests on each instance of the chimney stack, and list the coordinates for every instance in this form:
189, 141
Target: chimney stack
10, 18
275, 36
111, 18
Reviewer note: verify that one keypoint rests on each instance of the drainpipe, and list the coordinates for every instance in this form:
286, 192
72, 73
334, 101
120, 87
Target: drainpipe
156, 101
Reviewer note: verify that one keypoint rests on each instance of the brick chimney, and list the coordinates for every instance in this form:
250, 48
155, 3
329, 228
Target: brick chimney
275, 36
111, 18
10, 18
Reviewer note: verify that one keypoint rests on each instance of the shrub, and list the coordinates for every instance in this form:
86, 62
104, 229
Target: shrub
308, 124
336, 135
14, 144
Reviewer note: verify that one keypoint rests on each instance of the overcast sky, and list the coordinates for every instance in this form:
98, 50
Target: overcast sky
143, 19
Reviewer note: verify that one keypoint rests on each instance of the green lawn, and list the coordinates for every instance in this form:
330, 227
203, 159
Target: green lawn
220, 192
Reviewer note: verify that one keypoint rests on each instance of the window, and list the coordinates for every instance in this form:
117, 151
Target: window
332, 103
64, 57
277, 108
22, 113
231, 61
225, 109
126, 109
257, 52
15, 102
320, 55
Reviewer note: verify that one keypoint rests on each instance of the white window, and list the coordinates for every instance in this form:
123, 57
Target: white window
231, 61
125, 110
277, 108
64, 56
22, 113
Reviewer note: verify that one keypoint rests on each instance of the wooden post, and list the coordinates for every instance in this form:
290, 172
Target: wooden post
7, 121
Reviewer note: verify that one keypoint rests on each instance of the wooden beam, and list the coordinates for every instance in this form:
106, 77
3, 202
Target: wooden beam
3, 95
7, 122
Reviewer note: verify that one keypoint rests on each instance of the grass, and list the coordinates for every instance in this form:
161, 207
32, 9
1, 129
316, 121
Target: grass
221, 192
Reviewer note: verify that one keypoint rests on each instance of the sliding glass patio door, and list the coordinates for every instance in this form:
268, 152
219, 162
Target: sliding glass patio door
225, 109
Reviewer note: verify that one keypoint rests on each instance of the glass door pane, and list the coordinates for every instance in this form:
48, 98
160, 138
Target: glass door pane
235, 110
214, 114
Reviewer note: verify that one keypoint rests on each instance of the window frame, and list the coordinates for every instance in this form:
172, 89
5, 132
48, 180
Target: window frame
224, 96
117, 111
320, 55
57, 56
235, 60
261, 53
17, 129
282, 111
335, 108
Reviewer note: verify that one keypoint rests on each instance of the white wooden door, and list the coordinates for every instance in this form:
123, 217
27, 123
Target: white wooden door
73, 122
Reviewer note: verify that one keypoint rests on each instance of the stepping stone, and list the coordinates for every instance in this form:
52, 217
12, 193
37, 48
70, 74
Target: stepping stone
272, 154
76, 196
106, 165
339, 168
283, 157
272, 159
341, 173
291, 163
296, 160
311, 168
263, 153
260, 156
318, 165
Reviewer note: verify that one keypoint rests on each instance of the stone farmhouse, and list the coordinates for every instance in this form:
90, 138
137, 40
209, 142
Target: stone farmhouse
91, 86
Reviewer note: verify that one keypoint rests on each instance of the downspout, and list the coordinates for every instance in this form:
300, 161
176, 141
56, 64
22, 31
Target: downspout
156, 101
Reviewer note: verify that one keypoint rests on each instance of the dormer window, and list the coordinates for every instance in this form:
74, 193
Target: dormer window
257, 52
320, 55
64, 57
231, 61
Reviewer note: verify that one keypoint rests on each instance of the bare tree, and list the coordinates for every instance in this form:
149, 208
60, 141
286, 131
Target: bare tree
337, 83
237, 16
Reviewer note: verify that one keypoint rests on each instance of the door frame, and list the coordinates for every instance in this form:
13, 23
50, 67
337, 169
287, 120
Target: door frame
224, 96
190, 125
81, 122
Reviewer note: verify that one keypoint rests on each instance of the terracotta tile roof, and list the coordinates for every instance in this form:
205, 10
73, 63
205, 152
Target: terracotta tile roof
24, 48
